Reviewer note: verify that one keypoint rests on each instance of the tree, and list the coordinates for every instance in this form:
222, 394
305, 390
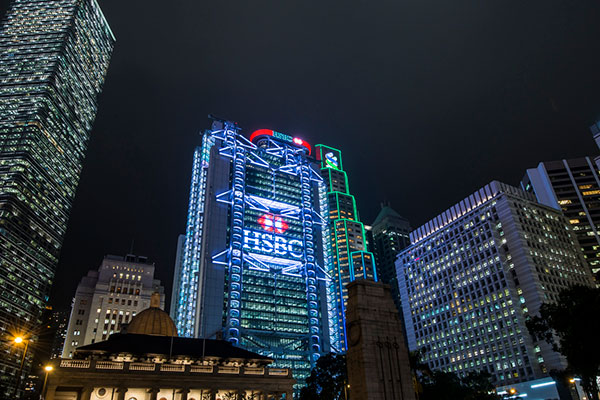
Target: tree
440, 385
327, 379
575, 321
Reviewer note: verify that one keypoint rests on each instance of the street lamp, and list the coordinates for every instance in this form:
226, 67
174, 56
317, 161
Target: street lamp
19, 340
48, 369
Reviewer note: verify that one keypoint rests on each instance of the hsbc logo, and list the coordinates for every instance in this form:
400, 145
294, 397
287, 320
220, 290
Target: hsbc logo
269, 242
273, 223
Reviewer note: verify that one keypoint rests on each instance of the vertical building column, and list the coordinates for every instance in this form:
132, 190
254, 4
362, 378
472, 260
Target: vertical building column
184, 393
50, 392
121, 393
86, 393
153, 393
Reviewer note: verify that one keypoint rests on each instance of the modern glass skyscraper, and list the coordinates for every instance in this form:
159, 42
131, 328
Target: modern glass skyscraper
390, 235
350, 256
257, 260
54, 55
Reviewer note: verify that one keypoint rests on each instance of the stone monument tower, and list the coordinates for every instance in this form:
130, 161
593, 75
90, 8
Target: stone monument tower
377, 358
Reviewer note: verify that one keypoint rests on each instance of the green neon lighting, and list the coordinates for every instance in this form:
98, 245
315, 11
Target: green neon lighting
323, 149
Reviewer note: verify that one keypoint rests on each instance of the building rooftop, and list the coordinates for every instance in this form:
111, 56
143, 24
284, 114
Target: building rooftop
153, 321
129, 343
387, 212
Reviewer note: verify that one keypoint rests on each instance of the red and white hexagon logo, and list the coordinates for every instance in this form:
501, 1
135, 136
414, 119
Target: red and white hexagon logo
273, 223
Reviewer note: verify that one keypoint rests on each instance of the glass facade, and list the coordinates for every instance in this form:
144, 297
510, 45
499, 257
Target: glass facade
572, 186
390, 234
258, 277
54, 55
350, 257
474, 274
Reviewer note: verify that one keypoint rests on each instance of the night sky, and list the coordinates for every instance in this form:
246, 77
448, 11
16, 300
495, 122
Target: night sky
428, 100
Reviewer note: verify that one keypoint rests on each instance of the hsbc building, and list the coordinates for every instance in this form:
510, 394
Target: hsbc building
256, 268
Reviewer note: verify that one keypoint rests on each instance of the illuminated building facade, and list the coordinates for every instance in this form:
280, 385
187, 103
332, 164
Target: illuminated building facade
349, 254
256, 259
572, 186
595, 129
108, 297
54, 55
390, 233
473, 275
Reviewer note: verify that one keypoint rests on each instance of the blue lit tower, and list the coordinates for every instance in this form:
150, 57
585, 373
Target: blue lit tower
349, 255
54, 55
255, 262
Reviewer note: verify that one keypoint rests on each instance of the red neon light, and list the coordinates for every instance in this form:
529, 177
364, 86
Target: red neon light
261, 132
301, 142
269, 132
273, 223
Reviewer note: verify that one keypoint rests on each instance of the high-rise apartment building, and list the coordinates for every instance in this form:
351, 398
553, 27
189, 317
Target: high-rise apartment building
257, 256
110, 297
350, 256
390, 235
54, 56
572, 186
472, 276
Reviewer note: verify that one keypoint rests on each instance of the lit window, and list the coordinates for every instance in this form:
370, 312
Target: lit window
590, 192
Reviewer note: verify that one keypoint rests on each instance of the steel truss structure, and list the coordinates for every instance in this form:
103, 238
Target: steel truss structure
278, 292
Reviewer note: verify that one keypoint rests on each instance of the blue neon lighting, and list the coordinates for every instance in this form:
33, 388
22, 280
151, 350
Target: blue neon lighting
539, 385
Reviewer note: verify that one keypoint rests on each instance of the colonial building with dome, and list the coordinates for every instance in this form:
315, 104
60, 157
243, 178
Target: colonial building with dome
148, 361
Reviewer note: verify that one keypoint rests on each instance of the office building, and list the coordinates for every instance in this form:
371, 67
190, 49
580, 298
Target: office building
473, 275
390, 233
257, 257
54, 55
109, 297
349, 254
149, 361
572, 186
176, 271
59, 324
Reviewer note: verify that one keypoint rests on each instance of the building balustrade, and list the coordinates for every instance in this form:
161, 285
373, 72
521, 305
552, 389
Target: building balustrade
136, 367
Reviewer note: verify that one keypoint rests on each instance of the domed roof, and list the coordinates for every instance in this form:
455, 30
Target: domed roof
153, 321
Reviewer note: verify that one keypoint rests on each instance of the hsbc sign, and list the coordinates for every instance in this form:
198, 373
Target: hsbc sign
270, 241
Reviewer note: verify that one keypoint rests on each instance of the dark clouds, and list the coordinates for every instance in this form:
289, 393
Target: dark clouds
428, 100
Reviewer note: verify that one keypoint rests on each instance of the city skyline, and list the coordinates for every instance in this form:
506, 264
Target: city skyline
137, 170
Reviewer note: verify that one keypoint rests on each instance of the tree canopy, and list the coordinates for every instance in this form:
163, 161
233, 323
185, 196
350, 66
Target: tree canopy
327, 379
575, 321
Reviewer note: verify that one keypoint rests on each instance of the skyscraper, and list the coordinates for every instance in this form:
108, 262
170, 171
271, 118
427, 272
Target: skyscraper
350, 257
108, 297
176, 271
257, 256
390, 235
54, 55
572, 186
472, 276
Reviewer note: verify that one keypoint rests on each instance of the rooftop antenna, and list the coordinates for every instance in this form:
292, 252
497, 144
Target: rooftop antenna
132, 243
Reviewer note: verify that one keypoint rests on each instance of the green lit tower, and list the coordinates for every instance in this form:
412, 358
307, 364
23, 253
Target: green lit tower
54, 56
351, 260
